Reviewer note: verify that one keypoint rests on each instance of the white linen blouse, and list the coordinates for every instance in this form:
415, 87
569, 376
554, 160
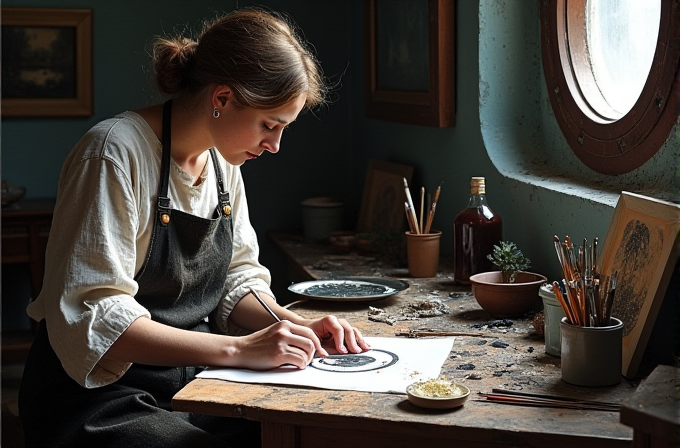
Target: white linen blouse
100, 235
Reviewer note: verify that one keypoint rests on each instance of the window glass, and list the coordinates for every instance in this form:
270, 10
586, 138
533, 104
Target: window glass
621, 39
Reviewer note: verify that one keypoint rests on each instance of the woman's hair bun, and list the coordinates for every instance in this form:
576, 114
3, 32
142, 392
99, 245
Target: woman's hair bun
172, 57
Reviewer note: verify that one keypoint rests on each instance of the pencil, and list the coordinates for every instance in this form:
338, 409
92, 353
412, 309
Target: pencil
266, 307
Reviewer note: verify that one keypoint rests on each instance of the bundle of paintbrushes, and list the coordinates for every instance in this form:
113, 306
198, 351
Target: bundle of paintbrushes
415, 224
552, 401
586, 294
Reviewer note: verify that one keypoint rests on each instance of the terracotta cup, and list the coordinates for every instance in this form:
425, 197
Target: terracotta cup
422, 251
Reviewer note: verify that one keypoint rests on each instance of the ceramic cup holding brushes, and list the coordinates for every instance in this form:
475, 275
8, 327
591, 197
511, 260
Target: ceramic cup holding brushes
592, 340
422, 243
422, 251
591, 356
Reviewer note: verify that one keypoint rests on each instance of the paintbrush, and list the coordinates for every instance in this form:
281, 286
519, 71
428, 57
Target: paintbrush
409, 218
609, 291
424, 333
433, 207
565, 305
411, 207
422, 207
545, 403
554, 397
264, 304
541, 400
558, 249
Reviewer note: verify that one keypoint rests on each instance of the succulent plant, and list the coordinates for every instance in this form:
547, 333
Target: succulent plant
509, 259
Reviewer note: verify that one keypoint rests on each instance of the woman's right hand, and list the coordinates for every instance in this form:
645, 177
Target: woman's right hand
281, 343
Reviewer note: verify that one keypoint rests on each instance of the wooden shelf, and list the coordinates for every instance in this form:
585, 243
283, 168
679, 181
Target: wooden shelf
25, 230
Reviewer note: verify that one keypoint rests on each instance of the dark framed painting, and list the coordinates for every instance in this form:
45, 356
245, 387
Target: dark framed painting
410, 61
382, 204
46, 62
642, 246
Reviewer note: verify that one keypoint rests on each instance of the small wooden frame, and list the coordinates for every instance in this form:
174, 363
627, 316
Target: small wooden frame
642, 245
412, 78
46, 62
382, 205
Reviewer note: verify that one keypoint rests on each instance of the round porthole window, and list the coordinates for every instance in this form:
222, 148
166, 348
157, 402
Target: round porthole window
610, 66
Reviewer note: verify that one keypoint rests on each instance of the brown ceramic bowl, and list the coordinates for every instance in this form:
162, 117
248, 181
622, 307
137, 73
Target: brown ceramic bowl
342, 240
506, 299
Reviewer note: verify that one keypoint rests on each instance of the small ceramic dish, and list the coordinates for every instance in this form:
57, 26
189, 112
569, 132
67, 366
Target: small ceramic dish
343, 241
11, 194
417, 397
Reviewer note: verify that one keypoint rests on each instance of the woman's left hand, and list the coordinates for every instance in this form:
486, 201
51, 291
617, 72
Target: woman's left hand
346, 338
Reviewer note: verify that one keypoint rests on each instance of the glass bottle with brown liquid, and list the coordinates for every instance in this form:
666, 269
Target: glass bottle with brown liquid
475, 231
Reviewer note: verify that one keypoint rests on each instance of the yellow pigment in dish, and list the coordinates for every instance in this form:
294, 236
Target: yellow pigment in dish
437, 388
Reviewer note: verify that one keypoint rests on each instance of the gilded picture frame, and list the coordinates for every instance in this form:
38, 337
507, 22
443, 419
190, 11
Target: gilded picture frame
46, 62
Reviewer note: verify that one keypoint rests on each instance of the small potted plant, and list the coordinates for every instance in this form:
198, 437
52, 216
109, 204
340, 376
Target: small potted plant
511, 291
509, 259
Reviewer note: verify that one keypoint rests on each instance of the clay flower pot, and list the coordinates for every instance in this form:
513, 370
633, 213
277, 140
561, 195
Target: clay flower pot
506, 299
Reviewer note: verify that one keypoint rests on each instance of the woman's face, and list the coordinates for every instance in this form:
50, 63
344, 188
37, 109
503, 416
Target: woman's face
244, 134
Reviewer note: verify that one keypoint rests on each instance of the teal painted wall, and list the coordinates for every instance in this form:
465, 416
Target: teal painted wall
327, 154
502, 109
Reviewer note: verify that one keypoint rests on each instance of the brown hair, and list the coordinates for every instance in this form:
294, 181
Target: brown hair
255, 52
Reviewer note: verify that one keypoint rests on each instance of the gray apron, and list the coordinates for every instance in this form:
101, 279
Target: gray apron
181, 282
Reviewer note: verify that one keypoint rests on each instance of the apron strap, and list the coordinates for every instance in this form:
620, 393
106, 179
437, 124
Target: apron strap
221, 192
163, 206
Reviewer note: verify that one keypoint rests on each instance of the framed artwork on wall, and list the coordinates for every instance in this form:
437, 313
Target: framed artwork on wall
46, 62
410, 56
382, 204
642, 245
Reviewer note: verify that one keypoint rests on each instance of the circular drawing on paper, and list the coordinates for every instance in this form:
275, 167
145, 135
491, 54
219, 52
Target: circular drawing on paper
356, 362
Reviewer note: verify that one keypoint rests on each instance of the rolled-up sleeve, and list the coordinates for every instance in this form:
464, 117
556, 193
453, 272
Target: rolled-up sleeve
87, 299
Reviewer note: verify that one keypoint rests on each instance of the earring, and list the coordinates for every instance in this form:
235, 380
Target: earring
216, 113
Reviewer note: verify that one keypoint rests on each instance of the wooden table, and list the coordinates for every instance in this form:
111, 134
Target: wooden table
25, 229
653, 411
507, 354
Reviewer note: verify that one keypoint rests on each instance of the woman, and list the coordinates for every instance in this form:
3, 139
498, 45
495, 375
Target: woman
151, 255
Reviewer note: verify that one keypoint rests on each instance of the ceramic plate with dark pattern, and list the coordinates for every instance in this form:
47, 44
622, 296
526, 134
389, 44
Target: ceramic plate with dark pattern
349, 288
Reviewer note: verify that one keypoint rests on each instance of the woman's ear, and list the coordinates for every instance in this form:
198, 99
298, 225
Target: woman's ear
221, 95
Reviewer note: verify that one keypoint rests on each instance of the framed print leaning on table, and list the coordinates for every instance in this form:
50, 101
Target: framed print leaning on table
642, 245
382, 204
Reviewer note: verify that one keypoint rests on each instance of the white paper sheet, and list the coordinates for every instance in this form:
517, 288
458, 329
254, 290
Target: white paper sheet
418, 360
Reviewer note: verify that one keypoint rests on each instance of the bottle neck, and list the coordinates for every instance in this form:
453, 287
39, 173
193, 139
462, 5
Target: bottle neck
477, 200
